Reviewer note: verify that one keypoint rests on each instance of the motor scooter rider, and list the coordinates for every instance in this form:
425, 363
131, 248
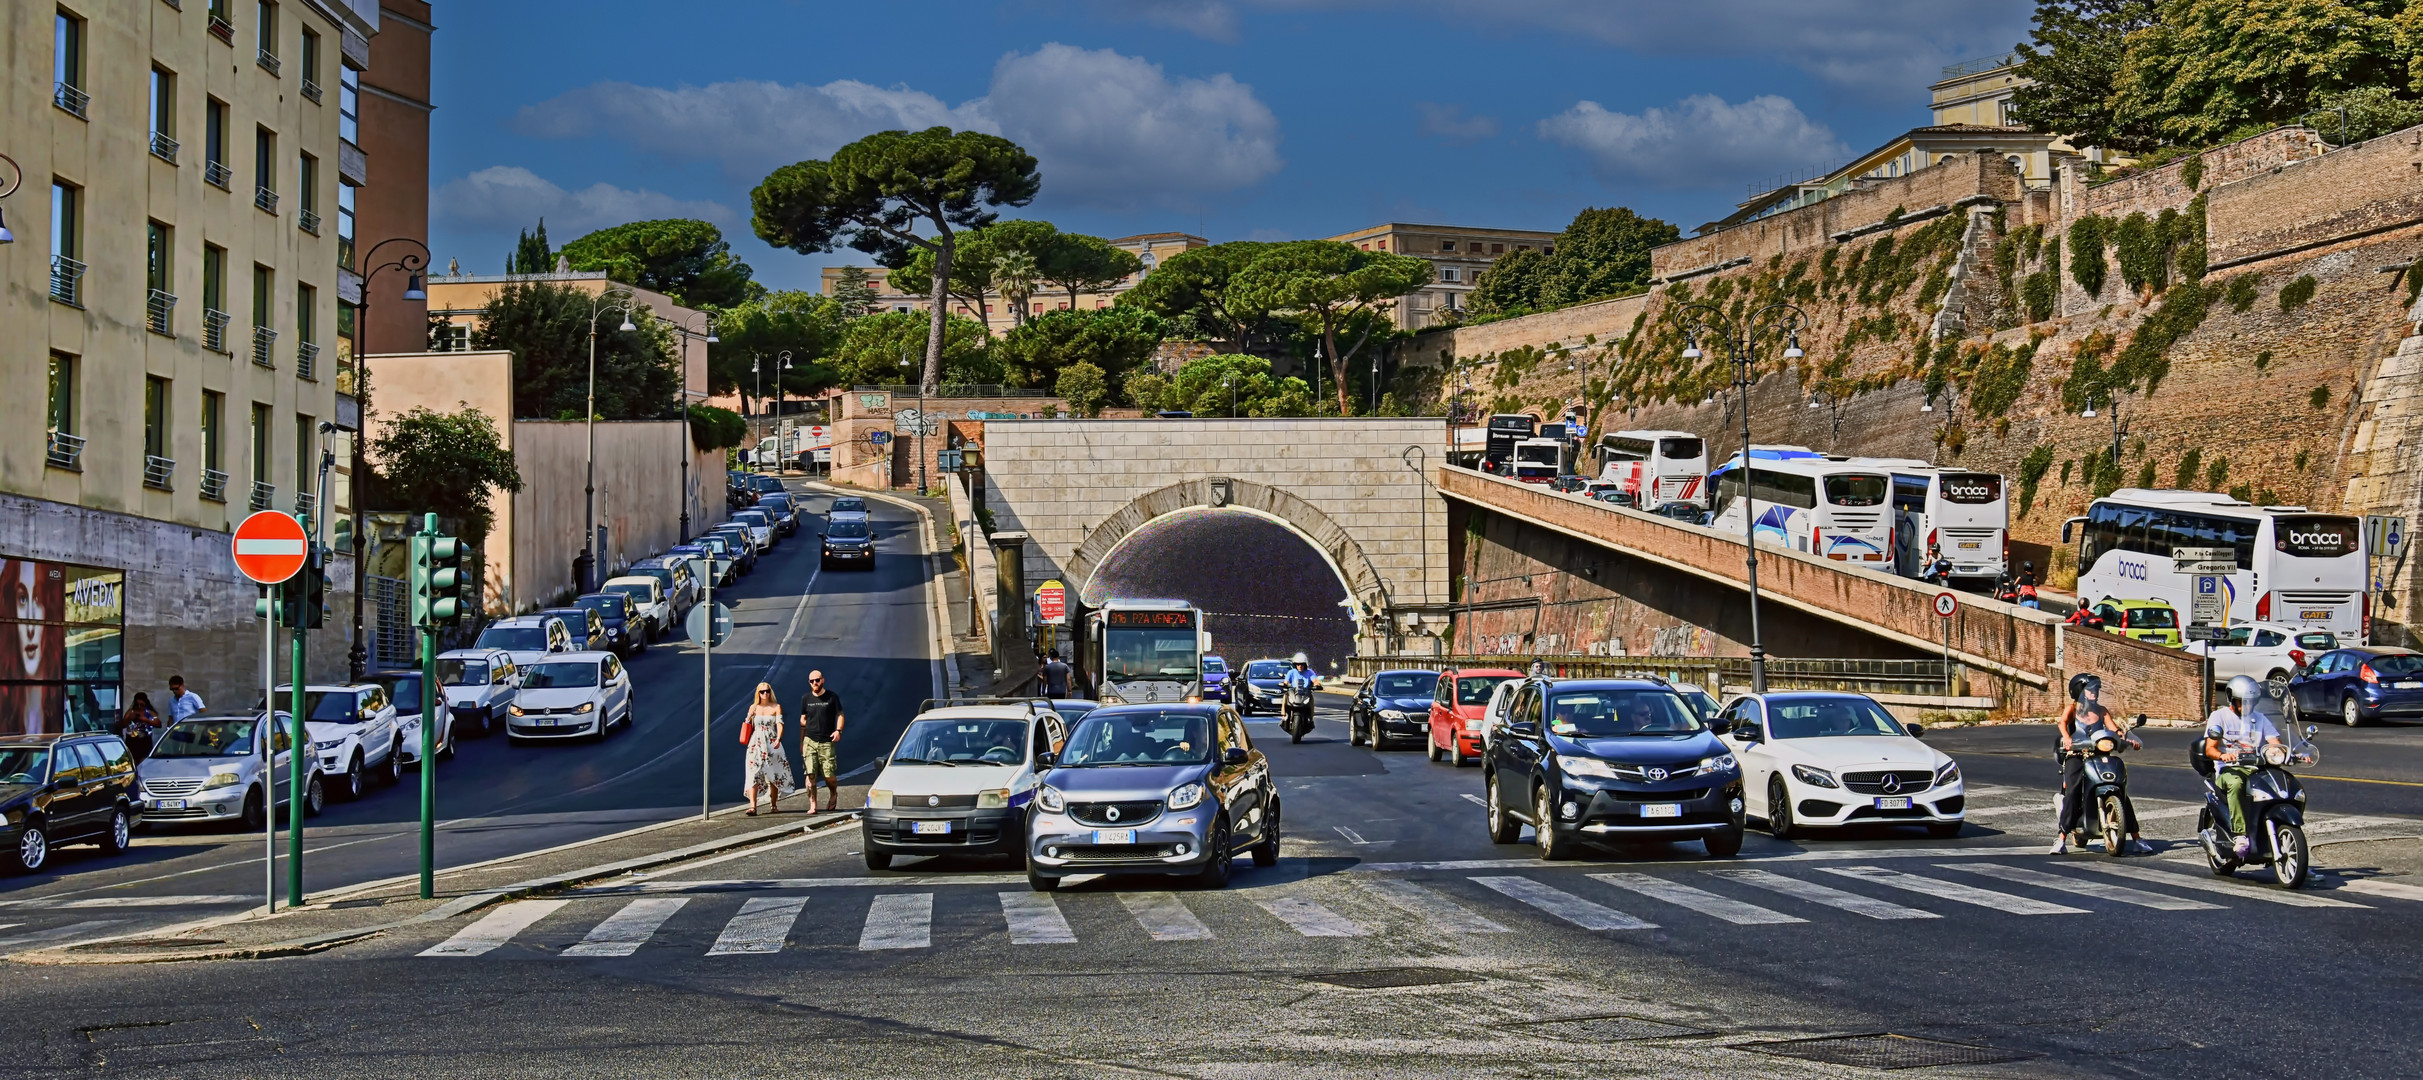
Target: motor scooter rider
2233, 734
1300, 676
2082, 721
2027, 586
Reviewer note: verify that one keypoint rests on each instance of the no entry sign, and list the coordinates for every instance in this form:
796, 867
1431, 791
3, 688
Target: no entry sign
270, 547
1946, 604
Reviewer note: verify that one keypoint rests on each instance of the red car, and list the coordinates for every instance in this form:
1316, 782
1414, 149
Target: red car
1456, 709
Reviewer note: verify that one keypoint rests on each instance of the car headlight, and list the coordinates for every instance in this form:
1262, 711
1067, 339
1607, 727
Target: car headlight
586, 707
1185, 795
1814, 777
1949, 774
514, 710
879, 799
993, 800
1582, 766
1472, 723
221, 779
1048, 797
1714, 763
328, 744
1392, 714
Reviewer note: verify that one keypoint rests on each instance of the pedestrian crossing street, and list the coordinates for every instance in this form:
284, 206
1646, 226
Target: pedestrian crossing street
875, 915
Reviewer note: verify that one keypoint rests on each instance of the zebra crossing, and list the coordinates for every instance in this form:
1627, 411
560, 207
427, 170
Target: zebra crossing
911, 919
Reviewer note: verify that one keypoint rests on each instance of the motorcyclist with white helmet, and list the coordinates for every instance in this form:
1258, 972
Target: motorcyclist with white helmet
2236, 732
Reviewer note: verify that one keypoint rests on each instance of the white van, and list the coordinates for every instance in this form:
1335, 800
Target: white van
959, 780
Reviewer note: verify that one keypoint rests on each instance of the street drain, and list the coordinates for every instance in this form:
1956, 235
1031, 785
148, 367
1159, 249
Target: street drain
343, 904
1386, 978
1884, 1050
1609, 1028
115, 944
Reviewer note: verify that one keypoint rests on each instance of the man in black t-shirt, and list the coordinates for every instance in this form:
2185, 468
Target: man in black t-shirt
819, 734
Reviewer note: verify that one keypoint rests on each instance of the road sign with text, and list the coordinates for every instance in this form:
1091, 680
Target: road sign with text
2188, 560
1051, 602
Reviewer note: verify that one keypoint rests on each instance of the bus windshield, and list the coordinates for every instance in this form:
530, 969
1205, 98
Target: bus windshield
1681, 449
1857, 489
1131, 653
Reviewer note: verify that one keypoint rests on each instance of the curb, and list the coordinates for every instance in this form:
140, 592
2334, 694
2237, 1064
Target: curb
945, 659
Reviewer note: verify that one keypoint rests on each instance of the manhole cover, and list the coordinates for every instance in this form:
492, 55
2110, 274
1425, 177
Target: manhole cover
1885, 1050
1384, 978
1610, 1028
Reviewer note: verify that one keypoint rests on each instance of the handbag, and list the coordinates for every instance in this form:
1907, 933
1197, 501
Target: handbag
748, 730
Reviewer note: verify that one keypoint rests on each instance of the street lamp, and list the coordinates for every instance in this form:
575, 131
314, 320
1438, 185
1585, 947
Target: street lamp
921, 422
1230, 380
1739, 333
611, 300
683, 328
2119, 430
1831, 399
782, 367
357, 659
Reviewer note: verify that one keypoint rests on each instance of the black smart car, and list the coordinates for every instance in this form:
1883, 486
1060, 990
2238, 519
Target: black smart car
63, 789
1610, 761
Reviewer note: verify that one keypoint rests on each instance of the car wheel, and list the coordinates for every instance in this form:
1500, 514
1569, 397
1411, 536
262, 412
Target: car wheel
253, 816
2276, 684
1430, 743
1216, 873
2350, 713
1726, 844
392, 772
33, 849
315, 797
1266, 853
878, 860
445, 736
1455, 753
1552, 846
1037, 881
353, 778
119, 834
1354, 730
1503, 828
1779, 811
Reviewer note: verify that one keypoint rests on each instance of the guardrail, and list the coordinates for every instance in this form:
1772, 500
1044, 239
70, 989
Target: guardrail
1911, 677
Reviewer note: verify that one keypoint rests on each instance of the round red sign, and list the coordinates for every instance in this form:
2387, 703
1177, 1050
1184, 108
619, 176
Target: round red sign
270, 547
1946, 604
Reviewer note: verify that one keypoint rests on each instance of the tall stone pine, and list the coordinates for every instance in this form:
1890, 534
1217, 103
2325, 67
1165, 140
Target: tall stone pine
876, 194
1329, 284
531, 255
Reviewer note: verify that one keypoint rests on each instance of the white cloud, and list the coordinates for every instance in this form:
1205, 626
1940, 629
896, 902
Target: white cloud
1107, 130
1701, 142
511, 197
1207, 19
1449, 122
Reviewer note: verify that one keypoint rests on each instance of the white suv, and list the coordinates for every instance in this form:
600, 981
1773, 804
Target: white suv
528, 638
353, 733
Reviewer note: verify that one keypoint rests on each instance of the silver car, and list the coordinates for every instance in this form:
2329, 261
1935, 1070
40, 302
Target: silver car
208, 768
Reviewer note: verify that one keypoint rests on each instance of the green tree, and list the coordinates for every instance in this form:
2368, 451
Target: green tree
1328, 283
1205, 384
1085, 387
875, 193
2209, 68
1197, 286
872, 348
546, 327
1511, 284
855, 291
1147, 390
2074, 59
685, 259
712, 428
1602, 253
531, 255
427, 461
1018, 250
2367, 112
1076, 263
1113, 339
972, 269
807, 326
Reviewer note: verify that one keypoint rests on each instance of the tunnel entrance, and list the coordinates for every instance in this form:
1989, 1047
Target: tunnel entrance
1263, 590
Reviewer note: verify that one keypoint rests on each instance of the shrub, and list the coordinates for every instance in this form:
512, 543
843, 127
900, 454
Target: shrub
2192, 173
2320, 398
2031, 473
2215, 473
2038, 292
2263, 359
2302, 457
2145, 474
2241, 291
2298, 292
2088, 236
2191, 464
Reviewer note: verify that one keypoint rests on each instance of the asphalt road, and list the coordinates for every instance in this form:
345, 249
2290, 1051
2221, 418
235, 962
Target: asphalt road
1392, 939
868, 630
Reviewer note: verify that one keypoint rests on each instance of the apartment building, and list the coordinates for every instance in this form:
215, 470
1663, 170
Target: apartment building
1457, 254
176, 317
998, 316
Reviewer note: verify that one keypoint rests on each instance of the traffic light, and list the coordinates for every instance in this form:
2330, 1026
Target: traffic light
417, 580
315, 590
290, 599
445, 579
265, 606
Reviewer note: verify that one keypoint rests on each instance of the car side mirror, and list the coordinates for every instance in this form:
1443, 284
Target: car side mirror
1525, 728
1917, 730
1720, 724
1236, 755
1747, 733
1046, 758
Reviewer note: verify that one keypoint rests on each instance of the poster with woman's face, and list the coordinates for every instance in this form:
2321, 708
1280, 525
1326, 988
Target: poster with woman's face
45, 606
32, 603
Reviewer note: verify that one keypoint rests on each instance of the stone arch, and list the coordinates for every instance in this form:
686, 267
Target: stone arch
1353, 567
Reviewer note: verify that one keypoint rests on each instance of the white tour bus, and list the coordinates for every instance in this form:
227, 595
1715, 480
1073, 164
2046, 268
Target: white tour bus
1943, 513
1538, 461
2294, 566
1810, 502
1656, 467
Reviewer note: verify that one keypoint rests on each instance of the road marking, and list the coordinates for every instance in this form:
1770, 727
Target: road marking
899, 921
2344, 824
1826, 855
1164, 916
1476, 800
1564, 905
1824, 894
771, 884
1356, 838
1699, 900
495, 928
159, 901
2099, 890
1035, 919
2168, 812
1442, 914
626, 930
1953, 890
2395, 890
57, 932
1310, 919
761, 926
2217, 885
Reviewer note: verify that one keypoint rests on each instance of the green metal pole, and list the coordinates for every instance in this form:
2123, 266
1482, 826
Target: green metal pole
429, 723
299, 745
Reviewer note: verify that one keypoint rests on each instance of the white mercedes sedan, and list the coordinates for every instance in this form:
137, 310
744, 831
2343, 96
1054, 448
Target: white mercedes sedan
1823, 758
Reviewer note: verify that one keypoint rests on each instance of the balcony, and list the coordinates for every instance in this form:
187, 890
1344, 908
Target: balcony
214, 329
304, 504
269, 61
307, 361
264, 494
221, 29
66, 451
214, 485
266, 199
353, 166
311, 90
159, 473
264, 341
71, 99
307, 220
217, 174
67, 281
164, 148
157, 310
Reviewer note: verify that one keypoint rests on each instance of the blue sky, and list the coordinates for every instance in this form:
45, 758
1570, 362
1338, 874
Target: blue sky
1232, 119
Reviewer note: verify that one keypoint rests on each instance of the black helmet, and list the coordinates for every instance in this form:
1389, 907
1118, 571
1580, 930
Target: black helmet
2080, 684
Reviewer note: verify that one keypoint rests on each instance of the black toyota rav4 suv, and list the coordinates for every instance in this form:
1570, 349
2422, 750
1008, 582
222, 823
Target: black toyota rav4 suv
1610, 761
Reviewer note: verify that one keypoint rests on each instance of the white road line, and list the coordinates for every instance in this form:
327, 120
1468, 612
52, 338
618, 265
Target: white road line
1035, 919
626, 930
2168, 812
761, 926
899, 921
495, 928
1564, 905
2242, 890
1442, 914
2395, 890
1953, 890
224, 900
1476, 800
1824, 894
1164, 916
56, 933
1308, 918
1699, 900
1974, 790
768, 884
2324, 825
2097, 889
1822, 855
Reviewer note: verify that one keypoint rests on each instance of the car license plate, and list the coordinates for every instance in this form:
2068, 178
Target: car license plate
1114, 836
544, 721
1970, 545
1664, 809
172, 804
1893, 802
2410, 684
2315, 614
930, 828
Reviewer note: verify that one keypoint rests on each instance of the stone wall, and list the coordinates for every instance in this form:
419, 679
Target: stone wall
857, 460
1598, 321
2346, 194
638, 499
1811, 228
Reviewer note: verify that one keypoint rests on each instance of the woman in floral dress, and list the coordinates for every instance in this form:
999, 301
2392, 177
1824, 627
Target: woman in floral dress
768, 768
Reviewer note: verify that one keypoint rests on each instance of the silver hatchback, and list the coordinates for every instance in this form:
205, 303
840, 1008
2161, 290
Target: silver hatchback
208, 769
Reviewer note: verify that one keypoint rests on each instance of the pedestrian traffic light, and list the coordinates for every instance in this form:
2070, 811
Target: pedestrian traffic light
445, 579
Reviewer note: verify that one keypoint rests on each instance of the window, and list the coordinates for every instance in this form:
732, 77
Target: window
345, 323
307, 184
349, 104
265, 160
214, 417
65, 220
260, 443
1451, 274
214, 143
306, 314
214, 277
1497, 249
311, 66
344, 224
62, 414
265, 14
1383, 245
263, 280
67, 64
1446, 245
159, 257
164, 104
155, 416
304, 460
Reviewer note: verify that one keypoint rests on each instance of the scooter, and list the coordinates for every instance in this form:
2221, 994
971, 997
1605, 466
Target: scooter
1296, 704
2275, 812
2107, 780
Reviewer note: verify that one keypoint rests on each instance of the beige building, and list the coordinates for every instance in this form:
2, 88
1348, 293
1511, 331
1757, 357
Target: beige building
1150, 248
1457, 254
458, 298
172, 312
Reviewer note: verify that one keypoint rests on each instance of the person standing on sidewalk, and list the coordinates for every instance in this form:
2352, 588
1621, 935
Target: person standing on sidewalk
819, 734
181, 701
767, 767
1055, 677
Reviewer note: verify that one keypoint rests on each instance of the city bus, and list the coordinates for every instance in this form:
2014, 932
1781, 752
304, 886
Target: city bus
1656, 467
1505, 430
1941, 513
2295, 567
1810, 502
1468, 446
1148, 650
1538, 461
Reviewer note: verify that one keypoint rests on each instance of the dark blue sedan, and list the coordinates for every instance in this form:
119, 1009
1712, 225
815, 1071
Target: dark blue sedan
1393, 704
2358, 685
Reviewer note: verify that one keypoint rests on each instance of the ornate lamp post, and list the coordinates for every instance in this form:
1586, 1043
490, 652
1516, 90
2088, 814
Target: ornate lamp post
357, 658
1739, 334
610, 300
